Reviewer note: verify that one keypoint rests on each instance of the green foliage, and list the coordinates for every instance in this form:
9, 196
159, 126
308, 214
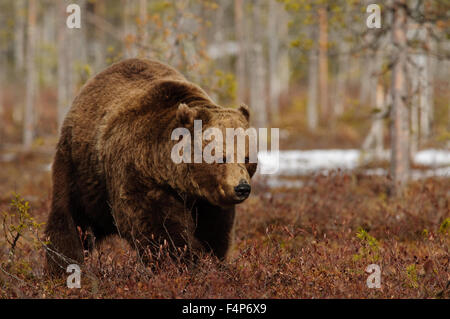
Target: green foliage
84, 72
225, 86
17, 222
411, 273
444, 227
370, 247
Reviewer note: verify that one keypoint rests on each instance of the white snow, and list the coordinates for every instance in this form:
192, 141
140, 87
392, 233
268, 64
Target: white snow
432, 157
297, 163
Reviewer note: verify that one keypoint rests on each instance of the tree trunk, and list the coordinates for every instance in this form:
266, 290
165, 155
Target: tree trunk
312, 85
29, 113
376, 68
142, 28
274, 35
415, 92
379, 131
431, 74
416, 88
3, 76
374, 140
327, 113
400, 117
129, 29
98, 41
62, 63
426, 98
47, 38
81, 38
240, 63
258, 71
19, 33
343, 63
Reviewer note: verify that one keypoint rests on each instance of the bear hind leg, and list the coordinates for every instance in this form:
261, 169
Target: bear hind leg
65, 246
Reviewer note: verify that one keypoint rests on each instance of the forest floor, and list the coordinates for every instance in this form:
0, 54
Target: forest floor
310, 236
312, 241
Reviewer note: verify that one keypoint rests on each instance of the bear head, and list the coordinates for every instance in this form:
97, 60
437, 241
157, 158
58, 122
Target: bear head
219, 155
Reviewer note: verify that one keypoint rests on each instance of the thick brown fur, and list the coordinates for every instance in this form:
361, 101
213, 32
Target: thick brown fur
113, 174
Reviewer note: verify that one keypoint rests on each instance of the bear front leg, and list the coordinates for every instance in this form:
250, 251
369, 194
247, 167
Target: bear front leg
147, 222
65, 246
214, 227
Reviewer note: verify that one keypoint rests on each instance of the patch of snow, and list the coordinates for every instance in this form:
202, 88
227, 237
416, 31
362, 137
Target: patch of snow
299, 163
432, 157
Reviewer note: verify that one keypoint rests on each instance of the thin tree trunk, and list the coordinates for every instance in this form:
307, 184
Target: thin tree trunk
312, 114
274, 64
285, 70
142, 28
19, 33
129, 29
379, 131
327, 113
62, 63
258, 74
81, 37
240, 63
431, 66
426, 100
400, 118
343, 63
47, 37
98, 40
367, 67
2, 88
419, 84
29, 113
415, 92
374, 140
376, 67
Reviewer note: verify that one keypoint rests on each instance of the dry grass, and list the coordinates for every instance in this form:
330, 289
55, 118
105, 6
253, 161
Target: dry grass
312, 242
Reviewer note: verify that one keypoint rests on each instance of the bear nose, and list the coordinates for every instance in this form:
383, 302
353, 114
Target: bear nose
242, 190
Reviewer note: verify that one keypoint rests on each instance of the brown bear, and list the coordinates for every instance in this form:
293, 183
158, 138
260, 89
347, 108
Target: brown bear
113, 173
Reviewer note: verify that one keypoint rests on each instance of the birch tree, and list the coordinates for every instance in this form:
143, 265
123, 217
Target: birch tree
312, 115
399, 114
142, 28
2, 85
29, 112
240, 28
373, 143
129, 28
19, 33
63, 70
327, 113
274, 38
343, 63
258, 70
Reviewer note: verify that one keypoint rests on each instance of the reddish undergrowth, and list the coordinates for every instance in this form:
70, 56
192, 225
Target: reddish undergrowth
311, 242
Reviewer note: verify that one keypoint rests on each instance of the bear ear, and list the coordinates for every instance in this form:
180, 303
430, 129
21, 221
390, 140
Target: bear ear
244, 109
185, 115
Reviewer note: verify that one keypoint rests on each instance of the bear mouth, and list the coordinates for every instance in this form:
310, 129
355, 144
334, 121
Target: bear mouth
240, 199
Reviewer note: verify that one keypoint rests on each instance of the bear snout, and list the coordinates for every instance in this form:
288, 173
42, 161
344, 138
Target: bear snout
242, 190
